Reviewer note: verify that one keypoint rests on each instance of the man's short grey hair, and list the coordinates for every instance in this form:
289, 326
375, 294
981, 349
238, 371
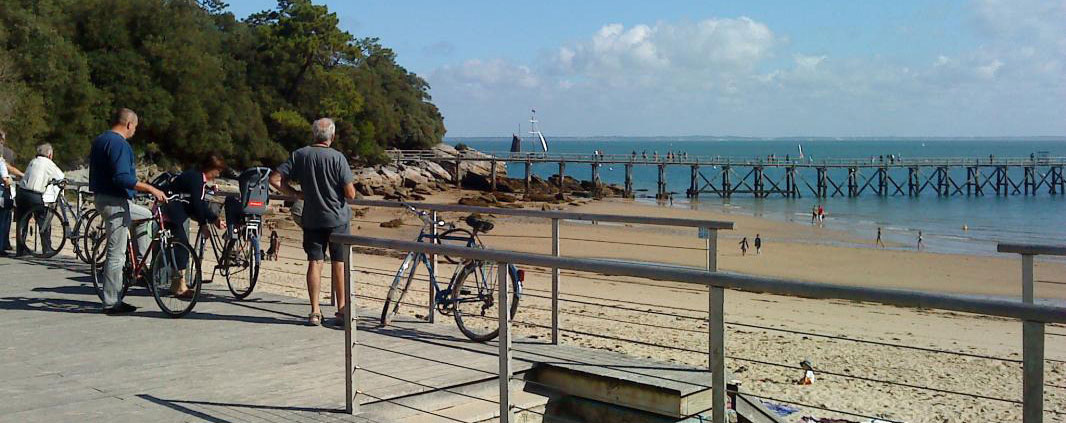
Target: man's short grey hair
44, 150
323, 130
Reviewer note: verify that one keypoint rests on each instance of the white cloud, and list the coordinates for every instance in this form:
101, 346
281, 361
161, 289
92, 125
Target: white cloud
683, 48
724, 76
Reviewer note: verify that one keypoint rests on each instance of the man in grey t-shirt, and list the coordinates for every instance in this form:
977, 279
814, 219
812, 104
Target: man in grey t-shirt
326, 184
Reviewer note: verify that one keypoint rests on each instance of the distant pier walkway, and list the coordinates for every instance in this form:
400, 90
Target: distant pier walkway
794, 177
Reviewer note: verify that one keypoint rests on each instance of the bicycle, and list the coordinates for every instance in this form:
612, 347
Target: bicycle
158, 267
38, 229
470, 296
239, 256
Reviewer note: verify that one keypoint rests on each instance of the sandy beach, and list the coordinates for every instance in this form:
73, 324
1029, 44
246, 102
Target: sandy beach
767, 335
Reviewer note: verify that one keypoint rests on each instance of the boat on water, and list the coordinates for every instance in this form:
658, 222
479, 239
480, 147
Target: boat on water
535, 134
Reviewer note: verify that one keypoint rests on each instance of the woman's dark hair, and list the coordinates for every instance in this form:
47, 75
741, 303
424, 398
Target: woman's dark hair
212, 161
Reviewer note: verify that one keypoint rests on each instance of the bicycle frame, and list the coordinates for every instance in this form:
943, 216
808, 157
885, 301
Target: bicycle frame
249, 230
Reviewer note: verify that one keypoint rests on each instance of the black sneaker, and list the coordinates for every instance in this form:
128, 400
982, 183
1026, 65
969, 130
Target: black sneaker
121, 308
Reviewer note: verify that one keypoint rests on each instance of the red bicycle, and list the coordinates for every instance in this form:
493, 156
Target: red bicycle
161, 266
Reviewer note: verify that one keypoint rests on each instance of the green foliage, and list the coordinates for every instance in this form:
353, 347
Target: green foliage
202, 81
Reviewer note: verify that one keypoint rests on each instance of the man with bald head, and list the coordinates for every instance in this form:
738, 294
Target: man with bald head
326, 183
113, 180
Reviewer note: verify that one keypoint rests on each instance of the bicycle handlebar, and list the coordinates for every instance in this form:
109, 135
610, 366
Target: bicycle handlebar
426, 217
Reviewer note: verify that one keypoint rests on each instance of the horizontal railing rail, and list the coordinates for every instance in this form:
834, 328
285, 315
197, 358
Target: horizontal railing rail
733, 281
1032, 315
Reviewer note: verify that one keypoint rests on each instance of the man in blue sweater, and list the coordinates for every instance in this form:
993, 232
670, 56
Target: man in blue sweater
113, 180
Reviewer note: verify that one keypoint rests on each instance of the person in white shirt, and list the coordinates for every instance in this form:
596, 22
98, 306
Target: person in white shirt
34, 190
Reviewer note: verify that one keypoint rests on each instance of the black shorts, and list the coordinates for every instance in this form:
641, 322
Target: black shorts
317, 240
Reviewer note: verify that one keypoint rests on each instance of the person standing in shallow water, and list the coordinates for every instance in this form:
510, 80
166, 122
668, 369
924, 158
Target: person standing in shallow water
921, 241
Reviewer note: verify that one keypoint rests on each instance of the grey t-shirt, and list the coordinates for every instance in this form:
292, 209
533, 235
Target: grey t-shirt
322, 173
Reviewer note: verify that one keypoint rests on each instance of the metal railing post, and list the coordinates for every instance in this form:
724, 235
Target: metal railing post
351, 390
555, 283
1033, 372
716, 329
431, 313
1032, 353
504, 339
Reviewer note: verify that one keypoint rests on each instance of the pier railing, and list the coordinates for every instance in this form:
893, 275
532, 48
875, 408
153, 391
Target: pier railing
1033, 316
1032, 332
707, 229
717, 160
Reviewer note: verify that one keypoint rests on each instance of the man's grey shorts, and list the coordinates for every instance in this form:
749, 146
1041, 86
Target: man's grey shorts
317, 240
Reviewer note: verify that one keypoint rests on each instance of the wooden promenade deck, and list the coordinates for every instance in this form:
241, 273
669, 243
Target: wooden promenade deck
250, 361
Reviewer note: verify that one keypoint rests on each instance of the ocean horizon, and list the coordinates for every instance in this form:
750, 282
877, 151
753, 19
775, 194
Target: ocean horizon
955, 224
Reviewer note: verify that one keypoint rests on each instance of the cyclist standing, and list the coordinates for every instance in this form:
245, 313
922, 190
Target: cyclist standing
34, 191
192, 182
8, 172
113, 179
326, 182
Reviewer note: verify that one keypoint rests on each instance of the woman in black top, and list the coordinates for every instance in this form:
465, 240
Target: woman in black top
192, 182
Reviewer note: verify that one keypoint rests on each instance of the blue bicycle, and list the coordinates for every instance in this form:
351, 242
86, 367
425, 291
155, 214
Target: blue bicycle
471, 293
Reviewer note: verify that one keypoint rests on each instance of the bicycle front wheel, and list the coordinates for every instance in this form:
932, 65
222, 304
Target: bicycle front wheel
242, 266
90, 231
400, 284
41, 232
473, 297
175, 288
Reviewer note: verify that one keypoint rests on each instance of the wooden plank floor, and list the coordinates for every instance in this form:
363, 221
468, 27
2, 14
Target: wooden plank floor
249, 361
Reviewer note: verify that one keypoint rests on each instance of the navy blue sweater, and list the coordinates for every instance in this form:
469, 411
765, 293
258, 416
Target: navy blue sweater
111, 169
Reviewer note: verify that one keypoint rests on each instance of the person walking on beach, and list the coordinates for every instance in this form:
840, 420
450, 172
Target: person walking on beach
326, 179
880, 243
113, 180
744, 246
821, 213
921, 243
814, 214
758, 244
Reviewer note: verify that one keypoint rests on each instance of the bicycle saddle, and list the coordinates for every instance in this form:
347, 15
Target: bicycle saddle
479, 224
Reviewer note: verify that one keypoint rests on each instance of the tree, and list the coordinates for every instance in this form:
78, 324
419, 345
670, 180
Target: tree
201, 80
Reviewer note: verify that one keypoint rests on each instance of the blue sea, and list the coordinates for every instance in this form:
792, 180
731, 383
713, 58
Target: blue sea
956, 224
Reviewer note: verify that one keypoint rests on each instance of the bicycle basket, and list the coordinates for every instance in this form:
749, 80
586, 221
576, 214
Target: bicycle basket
255, 190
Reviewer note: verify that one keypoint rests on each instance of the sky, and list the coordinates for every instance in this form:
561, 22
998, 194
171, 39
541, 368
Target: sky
729, 68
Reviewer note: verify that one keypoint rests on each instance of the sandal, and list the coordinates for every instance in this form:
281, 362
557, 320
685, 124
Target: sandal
187, 294
314, 319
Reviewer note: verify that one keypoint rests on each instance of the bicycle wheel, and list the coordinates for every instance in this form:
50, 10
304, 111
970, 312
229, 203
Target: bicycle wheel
456, 237
94, 230
41, 232
242, 266
166, 275
473, 297
399, 287
97, 266
89, 228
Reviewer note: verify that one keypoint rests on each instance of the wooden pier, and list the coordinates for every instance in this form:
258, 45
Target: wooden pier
793, 178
